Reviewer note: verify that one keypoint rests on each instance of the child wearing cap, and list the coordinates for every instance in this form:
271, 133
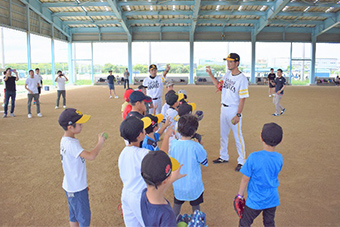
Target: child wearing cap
148, 105
260, 173
154, 86
137, 101
158, 173
129, 164
73, 158
152, 136
191, 154
169, 86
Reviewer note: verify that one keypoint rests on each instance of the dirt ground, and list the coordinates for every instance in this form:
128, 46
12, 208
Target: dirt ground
31, 173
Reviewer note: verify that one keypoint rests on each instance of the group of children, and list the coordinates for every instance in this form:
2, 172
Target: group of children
147, 171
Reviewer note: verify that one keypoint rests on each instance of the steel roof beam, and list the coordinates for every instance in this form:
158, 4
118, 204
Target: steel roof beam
163, 21
229, 13
271, 13
82, 14
303, 14
327, 24
197, 7
95, 30
46, 14
119, 15
292, 22
236, 3
153, 13
321, 4
91, 22
74, 4
152, 3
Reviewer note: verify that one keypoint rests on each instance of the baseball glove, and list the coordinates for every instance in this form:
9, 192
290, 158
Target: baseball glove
198, 137
220, 86
239, 204
199, 114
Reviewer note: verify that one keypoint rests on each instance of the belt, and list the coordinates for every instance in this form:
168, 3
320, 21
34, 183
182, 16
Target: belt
155, 98
225, 105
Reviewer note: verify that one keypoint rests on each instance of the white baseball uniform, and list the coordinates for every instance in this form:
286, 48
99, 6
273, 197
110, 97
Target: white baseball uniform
155, 91
234, 88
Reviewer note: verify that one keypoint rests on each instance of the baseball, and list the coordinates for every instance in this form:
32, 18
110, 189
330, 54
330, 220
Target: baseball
105, 135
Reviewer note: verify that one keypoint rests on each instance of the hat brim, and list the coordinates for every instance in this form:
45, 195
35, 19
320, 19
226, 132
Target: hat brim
160, 118
180, 96
229, 59
175, 164
147, 99
85, 118
147, 122
193, 106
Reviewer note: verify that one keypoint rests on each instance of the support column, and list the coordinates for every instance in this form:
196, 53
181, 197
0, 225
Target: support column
28, 36
191, 72
70, 63
92, 68
253, 57
53, 57
130, 58
290, 63
2, 43
313, 58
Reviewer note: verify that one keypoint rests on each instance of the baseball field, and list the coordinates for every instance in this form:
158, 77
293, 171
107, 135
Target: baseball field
31, 173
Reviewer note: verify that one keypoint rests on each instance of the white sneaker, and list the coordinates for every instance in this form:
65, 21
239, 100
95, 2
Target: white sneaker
270, 96
39, 115
57, 107
110, 96
5, 115
29, 115
116, 97
64, 107
3, 104
12, 115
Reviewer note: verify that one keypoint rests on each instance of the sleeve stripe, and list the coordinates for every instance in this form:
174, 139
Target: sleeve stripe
243, 90
204, 162
245, 93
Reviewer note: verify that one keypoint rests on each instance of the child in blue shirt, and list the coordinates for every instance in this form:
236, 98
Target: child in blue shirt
260, 173
152, 136
191, 154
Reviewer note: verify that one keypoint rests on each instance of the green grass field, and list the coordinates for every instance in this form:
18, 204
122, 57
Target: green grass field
50, 83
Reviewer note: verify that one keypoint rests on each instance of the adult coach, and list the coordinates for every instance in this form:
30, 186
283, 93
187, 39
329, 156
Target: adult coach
271, 77
234, 94
280, 85
10, 90
154, 84
126, 79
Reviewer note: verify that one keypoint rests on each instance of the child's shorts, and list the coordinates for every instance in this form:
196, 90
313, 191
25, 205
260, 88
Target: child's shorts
79, 207
111, 86
196, 202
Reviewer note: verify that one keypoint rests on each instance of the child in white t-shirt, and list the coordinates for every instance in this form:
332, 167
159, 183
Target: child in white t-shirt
73, 158
31, 85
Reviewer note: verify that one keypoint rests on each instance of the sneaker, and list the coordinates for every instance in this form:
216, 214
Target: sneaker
64, 107
29, 115
57, 107
275, 114
3, 105
238, 167
116, 97
284, 109
110, 96
12, 115
39, 115
220, 160
5, 115
270, 96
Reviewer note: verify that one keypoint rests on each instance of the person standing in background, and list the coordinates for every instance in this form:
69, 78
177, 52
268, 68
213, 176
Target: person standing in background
126, 79
271, 77
40, 79
61, 79
10, 90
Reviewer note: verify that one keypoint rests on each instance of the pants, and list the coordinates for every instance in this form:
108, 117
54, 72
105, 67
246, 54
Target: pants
29, 101
132, 213
276, 100
228, 113
159, 106
63, 93
126, 83
9, 94
249, 215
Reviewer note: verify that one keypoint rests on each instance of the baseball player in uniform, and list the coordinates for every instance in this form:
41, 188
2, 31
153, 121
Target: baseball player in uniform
271, 77
234, 93
154, 84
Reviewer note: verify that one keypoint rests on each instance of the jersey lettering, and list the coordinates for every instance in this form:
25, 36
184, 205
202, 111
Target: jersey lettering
153, 84
229, 84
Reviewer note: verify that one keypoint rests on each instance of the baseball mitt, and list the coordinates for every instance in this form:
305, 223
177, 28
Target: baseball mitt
219, 86
239, 204
199, 114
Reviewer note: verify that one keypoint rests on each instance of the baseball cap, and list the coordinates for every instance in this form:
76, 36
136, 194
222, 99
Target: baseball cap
156, 167
127, 94
232, 57
138, 96
72, 116
152, 66
272, 134
171, 97
155, 120
182, 91
131, 127
168, 84
186, 108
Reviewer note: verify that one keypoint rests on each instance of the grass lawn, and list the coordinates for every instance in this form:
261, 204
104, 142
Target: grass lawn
299, 82
50, 83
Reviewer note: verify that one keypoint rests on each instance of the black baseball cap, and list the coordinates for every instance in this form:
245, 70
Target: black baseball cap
131, 127
186, 108
152, 66
138, 96
72, 116
156, 167
232, 57
272, 134
171, 97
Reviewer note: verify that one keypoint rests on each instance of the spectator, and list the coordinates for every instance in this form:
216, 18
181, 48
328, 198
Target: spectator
126, 79
61, 79
40, 79
10, 90
31, 85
